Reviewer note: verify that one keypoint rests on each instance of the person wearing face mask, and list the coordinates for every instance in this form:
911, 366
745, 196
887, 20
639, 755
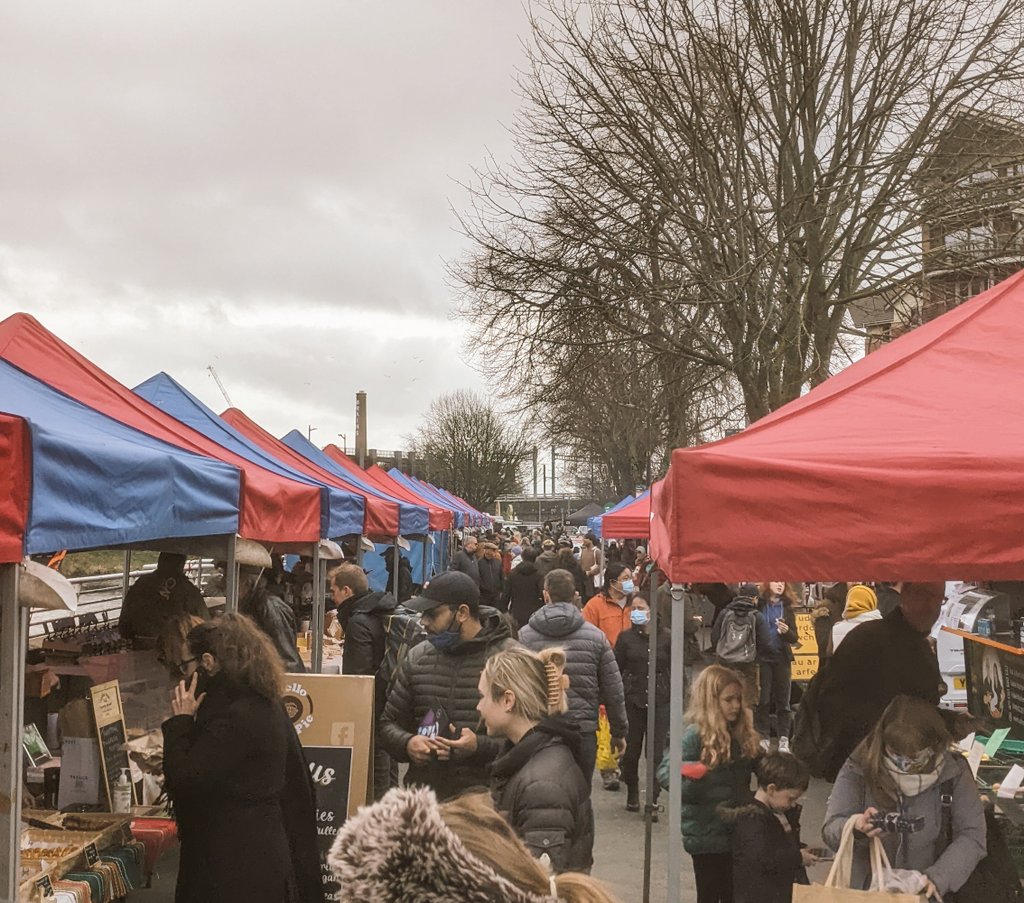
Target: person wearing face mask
430, 717
237, 775
632, 652
904, 765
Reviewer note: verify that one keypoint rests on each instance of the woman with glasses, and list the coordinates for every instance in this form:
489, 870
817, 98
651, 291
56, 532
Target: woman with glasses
236, 774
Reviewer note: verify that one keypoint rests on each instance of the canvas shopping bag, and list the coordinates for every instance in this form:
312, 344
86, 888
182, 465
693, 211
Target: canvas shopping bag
836, 888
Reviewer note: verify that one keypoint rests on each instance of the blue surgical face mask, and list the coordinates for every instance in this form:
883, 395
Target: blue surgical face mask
639, 616
447, 637
628, 586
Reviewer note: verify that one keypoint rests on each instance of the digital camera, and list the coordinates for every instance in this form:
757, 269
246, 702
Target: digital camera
894, 823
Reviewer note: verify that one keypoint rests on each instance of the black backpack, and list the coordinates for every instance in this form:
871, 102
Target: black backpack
402, 631
810, 742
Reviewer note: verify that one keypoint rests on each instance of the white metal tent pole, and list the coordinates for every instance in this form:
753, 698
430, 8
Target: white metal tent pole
359, 550
231, 577
316, 624
427, 562
13, 640
675, 790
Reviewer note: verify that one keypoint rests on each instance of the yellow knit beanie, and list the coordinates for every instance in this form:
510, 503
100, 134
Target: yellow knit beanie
859, 599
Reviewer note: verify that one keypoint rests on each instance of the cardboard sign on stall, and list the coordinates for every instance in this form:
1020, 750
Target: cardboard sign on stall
113, 737
333, 716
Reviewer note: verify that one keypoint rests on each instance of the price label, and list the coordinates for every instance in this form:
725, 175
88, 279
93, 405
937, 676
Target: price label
45, 885
92, 855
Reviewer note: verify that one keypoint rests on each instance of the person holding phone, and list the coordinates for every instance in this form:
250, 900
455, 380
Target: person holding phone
775, 661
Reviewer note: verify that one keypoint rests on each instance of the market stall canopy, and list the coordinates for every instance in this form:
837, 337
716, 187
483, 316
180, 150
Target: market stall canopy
380, 515
582, 516
274, 509
632, 521
594, 523
76, 479
341, 512
428, 492
474, 518
334, 459
413, 517
477, 517
905, 466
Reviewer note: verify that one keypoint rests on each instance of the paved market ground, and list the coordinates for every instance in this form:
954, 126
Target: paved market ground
618, 851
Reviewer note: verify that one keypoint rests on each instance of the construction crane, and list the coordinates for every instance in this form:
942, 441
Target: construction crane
220, 386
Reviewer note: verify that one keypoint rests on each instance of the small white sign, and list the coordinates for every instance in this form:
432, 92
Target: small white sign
974, 757
1011, 783
967, 744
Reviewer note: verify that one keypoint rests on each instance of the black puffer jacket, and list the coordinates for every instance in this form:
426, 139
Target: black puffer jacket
632, 654
539, 788
492, 581
363, 620
468, 564
594, 677
273, 616
524, 592
429, 680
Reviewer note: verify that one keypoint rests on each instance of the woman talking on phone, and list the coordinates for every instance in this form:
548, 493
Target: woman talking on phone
775, 661
239, 781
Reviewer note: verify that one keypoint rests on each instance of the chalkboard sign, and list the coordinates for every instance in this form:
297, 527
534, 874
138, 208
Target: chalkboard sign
331, 770
106, 707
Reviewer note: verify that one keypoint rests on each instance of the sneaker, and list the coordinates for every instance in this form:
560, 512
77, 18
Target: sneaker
766, 745
610, 780
784, 744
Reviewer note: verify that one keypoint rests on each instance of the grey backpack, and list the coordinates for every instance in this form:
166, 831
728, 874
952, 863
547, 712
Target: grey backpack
737, 642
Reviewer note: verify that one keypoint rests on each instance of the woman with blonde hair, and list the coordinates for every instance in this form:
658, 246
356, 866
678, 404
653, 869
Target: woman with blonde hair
537, 781
408, 848
905, 767
239, 781
719, 749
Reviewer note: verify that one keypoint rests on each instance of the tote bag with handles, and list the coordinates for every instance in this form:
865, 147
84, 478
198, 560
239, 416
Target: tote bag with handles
836, 888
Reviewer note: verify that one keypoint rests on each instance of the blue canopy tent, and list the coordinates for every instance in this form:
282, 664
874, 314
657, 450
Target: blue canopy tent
594, 523
429, 492
341, 511
412, 519
82, 481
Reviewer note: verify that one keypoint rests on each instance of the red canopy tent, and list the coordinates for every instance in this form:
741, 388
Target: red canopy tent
274, 509
380, 517
15, 480
904, 466
633, 521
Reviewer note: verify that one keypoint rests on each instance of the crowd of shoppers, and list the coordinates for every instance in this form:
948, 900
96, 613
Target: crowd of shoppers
497, 713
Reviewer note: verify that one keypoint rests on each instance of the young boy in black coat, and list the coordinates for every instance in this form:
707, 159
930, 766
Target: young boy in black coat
767, 858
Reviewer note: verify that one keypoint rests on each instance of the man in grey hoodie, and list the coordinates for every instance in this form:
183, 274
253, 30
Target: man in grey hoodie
594, 678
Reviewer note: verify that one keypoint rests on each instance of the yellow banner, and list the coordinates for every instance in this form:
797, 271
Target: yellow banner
805, 665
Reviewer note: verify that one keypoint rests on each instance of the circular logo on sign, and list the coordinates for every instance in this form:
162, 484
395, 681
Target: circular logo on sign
299, 708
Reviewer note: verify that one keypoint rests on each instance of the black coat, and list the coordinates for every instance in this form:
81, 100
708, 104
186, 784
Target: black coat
362, 619
273, 616
243, 800
429, 680
492, 581
468, 564
874, 663
524, 592
539, 788
632, 654
766, 859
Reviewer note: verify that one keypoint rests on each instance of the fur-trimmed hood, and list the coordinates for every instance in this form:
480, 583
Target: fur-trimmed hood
399, 850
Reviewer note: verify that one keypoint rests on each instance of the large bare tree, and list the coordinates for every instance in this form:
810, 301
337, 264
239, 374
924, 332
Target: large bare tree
471, 449
714, 181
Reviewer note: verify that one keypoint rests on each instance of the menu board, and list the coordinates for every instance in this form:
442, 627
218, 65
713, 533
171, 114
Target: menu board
805, 653
995, 686
333, 716
113, 738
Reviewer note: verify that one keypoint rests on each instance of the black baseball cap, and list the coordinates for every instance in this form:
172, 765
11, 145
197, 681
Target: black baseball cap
449, 588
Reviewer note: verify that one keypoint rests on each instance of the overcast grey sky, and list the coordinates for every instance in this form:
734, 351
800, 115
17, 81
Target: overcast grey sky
261, 186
